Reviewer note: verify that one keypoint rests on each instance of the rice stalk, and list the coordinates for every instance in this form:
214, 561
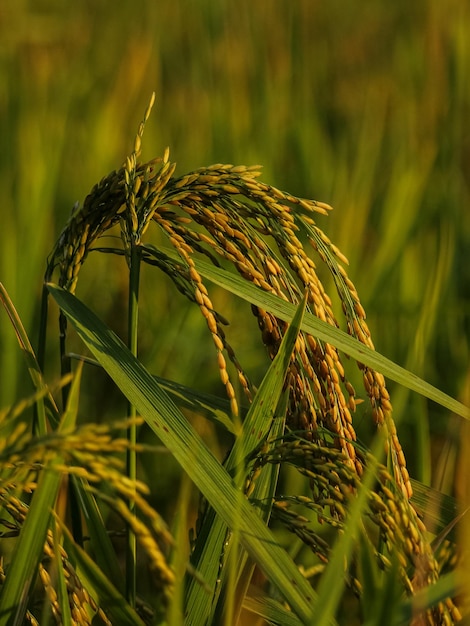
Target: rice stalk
226, 214
239, 214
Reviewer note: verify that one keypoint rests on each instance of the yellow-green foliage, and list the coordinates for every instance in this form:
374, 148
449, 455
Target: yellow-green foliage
362, 106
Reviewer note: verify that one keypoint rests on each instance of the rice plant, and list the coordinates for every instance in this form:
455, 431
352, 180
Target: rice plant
349, 536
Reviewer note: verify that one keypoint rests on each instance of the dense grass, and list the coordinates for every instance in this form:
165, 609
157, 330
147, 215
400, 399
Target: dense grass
363, 107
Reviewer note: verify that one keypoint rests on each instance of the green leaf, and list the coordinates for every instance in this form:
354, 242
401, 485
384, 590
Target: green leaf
381, 589
388, 595
332, 582
439, 509
316, 327
272, 611
101, 545
212, 540
214, 408
62, 595
189, 450
370, 576
262, 497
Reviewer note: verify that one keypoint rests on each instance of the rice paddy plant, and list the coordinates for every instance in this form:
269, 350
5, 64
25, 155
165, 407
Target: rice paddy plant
366, 108
350, 536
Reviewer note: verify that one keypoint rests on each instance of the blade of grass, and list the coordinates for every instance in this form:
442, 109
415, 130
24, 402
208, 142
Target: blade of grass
380, 588
103, 550
210, 406
262, 498
370, 576
213, 541
62, 595
179, 554
436, 508
15, 592
332, 581
311, 324
446, 587
189, 450
131, 458
272, 611
387, 596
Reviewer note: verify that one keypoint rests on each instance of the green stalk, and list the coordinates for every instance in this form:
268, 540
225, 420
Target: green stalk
131, 464
65, 366
39, 424
66, 370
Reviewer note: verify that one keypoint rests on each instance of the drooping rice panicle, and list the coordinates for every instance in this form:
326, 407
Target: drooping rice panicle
238, 212
226, 214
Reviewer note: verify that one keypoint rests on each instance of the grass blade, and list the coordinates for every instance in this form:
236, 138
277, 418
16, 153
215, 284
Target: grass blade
257, 424
62, 595
264, 489
131, 457
446, 587
101, 545
189, 450
311, 324
332, 582
272, 611
214, 408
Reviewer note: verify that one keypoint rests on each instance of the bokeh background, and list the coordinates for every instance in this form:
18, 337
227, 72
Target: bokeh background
364, 105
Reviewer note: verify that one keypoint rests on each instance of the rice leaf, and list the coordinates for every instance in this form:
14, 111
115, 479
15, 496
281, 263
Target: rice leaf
62, 595
446, 587
262, 495
258, 422
31, 362
311, 324
214, 408
272, 611
103, 551
189, 450
332, 582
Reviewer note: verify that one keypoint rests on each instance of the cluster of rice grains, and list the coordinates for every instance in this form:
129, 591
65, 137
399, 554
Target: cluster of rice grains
91, 453
226, 214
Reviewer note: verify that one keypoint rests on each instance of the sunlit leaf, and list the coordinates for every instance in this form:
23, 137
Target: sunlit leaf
311, 324
212, 540
189, 450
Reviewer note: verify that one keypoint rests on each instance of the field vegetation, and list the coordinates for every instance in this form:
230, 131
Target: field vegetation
220, 463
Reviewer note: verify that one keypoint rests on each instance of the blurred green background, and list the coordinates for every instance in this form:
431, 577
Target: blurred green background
363, 105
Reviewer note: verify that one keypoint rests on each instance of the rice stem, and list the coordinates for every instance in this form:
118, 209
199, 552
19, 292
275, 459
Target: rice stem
131, 471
